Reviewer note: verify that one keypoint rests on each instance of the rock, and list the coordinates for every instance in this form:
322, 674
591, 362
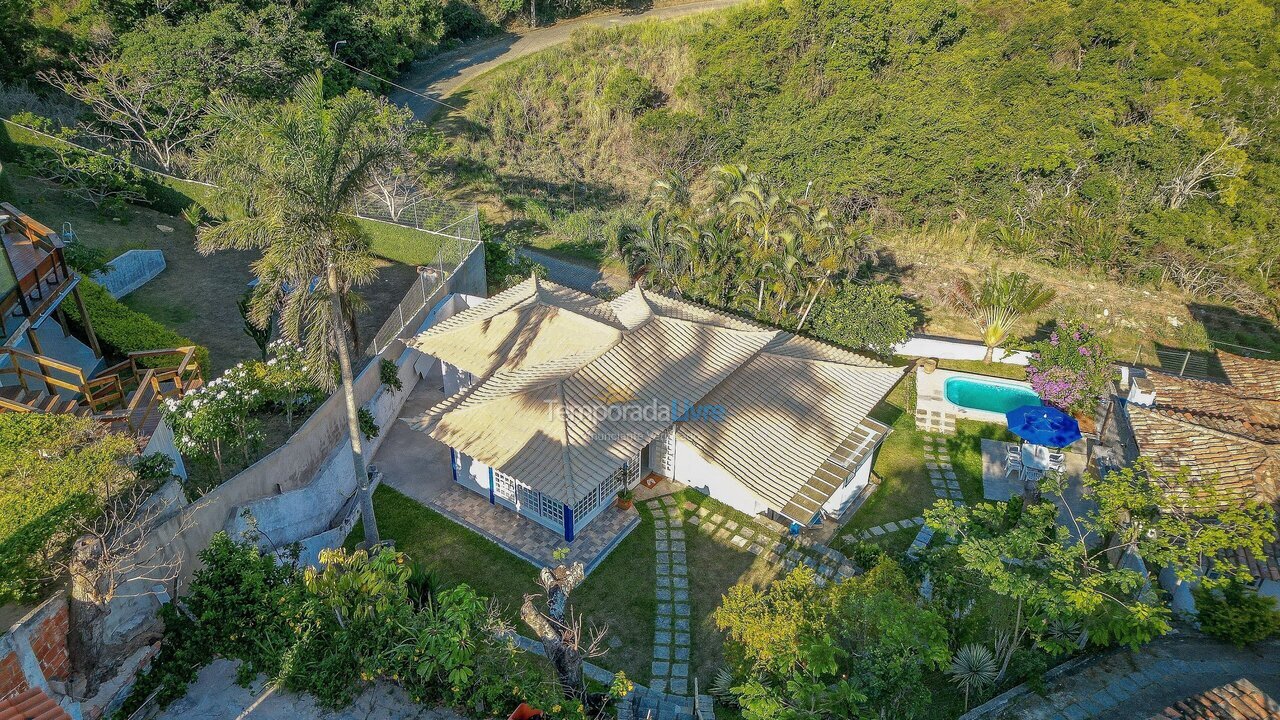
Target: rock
164, 228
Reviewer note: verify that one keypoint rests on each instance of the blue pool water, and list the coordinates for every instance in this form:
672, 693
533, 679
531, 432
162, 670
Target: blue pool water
989, 396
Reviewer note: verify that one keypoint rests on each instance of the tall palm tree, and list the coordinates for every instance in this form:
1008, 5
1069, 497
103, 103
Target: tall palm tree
294, 171
1000, 300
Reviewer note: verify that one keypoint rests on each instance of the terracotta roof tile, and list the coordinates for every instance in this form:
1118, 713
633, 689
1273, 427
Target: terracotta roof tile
1260, 378
1240, 700
33, 704
1219, 406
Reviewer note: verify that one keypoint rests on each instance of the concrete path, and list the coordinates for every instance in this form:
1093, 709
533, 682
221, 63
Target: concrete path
577, 275
441, 76
1138, 685
216, 696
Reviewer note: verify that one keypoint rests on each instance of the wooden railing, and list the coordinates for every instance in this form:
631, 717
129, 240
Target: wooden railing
125, 395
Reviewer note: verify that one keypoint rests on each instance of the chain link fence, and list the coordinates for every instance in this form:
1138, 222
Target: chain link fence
452, 230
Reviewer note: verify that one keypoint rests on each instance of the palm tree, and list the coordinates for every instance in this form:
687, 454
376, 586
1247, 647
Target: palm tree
295, 170
1000, 301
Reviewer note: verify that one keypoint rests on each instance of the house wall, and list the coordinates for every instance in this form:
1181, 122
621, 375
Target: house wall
692, 469
845, 493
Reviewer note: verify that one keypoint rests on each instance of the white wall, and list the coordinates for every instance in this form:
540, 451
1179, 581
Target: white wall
473, 474
696, 471
843, 494
952, 349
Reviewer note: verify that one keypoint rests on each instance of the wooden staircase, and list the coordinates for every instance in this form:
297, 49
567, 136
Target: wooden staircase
126, 397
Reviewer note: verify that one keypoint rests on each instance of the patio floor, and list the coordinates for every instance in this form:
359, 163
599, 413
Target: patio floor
996, 487
418, 466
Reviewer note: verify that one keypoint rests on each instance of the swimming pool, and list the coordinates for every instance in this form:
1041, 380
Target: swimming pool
988, 396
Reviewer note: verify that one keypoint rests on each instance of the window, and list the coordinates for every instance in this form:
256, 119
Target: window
551, 508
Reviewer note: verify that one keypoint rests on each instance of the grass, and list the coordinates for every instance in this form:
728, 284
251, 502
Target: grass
619, 594
904, 490
196, 294
965, 448
993, 369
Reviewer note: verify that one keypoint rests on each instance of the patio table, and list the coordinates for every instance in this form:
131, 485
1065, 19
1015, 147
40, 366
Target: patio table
1034, 457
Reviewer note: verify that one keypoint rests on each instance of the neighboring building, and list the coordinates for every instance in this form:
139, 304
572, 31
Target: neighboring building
1227, 432
45, 368
557, 400
1240, 700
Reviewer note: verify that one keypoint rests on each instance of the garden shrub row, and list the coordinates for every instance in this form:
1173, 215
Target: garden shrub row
122, 330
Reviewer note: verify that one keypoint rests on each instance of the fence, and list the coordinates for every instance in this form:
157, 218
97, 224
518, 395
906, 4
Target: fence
1193, 363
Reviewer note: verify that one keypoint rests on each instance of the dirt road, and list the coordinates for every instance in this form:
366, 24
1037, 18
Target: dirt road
442, 75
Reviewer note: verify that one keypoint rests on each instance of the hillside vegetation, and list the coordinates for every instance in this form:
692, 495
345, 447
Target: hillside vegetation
1134, 140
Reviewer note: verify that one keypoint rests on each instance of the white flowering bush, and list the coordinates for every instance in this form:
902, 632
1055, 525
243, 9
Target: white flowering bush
218, 418
287, 379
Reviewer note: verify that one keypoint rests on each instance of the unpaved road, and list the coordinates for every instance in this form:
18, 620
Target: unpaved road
442, 75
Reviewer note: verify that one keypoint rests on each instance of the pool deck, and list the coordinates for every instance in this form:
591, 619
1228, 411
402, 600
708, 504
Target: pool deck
935, 413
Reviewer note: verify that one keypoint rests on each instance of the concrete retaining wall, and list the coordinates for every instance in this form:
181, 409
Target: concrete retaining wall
130, 271
952, 349
292, 466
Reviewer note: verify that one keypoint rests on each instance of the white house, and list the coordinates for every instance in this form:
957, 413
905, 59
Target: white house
558, 400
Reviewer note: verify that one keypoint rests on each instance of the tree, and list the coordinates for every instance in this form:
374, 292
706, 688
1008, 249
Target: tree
560, 631
295, 170
1063, 575
1236, 613
141, 106
867, 317
858, 648
974, 667
999, 301
261, 336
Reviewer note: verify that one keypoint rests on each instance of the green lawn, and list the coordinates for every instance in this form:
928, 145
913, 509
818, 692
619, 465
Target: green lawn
904, 490
966, 454
619, 594
1004, 370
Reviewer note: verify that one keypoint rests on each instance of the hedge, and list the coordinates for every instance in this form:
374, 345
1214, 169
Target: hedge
122, 330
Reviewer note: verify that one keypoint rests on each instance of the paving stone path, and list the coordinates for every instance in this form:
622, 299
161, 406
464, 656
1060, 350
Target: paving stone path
937, 459
773, 545
885, 528
671, 646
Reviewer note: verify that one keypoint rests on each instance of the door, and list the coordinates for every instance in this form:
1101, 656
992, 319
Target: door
662, 454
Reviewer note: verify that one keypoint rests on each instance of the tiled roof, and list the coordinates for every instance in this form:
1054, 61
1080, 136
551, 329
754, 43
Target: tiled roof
789, 400
1219, 406
1240, 467
33, 704
1259, 378
1264, 567
785, 416
1240, 700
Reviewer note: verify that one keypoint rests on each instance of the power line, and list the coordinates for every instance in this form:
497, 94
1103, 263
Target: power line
397, 86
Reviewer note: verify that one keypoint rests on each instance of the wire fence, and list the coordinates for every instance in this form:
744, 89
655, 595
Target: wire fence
1194, 363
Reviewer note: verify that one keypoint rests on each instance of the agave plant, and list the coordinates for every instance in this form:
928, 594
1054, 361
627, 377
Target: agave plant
974, 667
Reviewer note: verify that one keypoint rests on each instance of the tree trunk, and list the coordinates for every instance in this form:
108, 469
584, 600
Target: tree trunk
85, 613
353, 414
558, 636
990, 350
349, 314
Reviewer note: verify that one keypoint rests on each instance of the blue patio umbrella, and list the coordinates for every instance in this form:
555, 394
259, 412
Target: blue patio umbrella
1043, 425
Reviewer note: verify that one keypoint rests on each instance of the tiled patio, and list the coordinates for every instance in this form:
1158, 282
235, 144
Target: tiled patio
997, 487
418, 466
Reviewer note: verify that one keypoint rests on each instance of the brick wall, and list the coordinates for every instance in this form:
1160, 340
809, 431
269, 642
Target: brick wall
34, 650
49, 642
12, 681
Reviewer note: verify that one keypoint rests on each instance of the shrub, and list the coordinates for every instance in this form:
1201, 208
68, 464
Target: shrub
122, 330
866, 317
55, 468
1237, 613
627, 91
1070, 369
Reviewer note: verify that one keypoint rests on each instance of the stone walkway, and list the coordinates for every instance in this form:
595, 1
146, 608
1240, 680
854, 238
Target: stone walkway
671, 638
937, 459
776, 547
885, 528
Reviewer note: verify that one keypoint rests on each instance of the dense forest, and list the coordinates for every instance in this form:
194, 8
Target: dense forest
1134, 138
